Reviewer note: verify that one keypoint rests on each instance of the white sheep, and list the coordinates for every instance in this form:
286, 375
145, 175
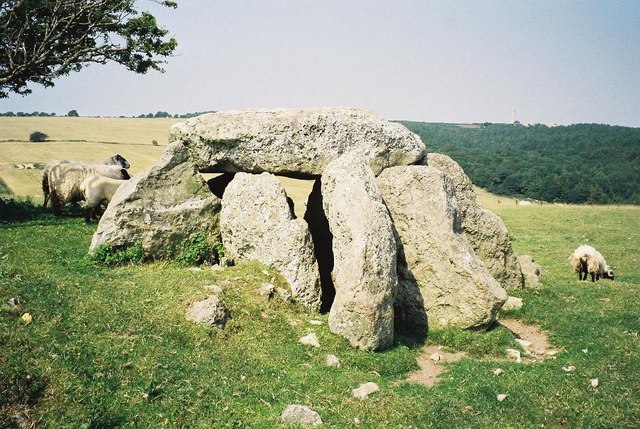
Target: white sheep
116, 159
98, 190
64, 181
587, 260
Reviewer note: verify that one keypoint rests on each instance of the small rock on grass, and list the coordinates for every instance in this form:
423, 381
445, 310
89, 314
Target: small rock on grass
512, 303
333, 361
365, 390
594, 382
498, 371
501, 397
514, 354
569, 368
267, 290
211, 311
310, 340
436, 357
27, 318
301, 414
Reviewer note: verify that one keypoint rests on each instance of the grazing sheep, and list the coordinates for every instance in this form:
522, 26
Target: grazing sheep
98, 190
116, 159
587, 260
64, 181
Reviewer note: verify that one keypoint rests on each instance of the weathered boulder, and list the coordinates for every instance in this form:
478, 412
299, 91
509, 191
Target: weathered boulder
161, 208
485, 231
456, 289
364, 248
301, 415
210, 311
531, 270
294, 142
257, 222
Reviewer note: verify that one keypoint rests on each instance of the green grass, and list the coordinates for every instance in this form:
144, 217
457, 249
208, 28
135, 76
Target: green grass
110, 347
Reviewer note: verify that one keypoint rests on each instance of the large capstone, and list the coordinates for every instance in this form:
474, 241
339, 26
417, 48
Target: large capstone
161, 208
295, 142
257, 223
364, 249
485, 231
454, 287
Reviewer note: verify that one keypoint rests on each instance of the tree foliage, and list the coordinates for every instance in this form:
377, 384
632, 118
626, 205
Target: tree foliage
41, 40
584, 163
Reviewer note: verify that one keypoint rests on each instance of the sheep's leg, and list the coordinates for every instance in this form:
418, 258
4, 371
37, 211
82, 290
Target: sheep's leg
593, 277
87, 214
56, 205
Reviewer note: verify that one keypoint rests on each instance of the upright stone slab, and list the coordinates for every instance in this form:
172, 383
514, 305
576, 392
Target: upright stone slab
257, 222
161, 208
485, 231
454, 286
295, 142
364, 248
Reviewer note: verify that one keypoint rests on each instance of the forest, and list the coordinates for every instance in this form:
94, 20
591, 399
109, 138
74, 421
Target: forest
583, 163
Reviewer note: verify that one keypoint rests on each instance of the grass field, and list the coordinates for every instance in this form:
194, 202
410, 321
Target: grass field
110, 347
82, 139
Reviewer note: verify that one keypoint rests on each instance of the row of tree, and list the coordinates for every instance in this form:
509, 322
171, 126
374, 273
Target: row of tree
584, 163
41, 114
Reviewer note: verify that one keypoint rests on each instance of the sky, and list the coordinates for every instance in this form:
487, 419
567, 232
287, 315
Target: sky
554, 62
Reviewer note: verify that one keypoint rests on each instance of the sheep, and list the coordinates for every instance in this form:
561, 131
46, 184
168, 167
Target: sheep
116, 159
97, 191
587, 260
64, 181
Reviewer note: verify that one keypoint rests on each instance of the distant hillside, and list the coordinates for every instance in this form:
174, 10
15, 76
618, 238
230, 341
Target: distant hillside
583, 163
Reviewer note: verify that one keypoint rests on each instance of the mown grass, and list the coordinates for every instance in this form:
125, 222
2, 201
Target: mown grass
110, 347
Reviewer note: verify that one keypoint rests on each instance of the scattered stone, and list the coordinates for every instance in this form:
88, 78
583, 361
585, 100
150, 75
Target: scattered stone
27, 318
333, 361
211, 311
585, 351
356, 421
439, 274
512, 303
498, 371
435, 357
256, 222
215, 289
310, 340
501, 397
267, 290
514, 354
300, 414
594, 382
365, 390
531, 271
315, 322
568, 368
364, 249
14, 302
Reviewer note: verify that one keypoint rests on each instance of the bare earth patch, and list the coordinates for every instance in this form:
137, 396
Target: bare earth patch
532, 338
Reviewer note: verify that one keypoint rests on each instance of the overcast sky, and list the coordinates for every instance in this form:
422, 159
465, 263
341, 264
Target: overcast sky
438, 61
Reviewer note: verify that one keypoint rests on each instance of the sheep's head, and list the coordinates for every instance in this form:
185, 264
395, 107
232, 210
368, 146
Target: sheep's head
608, 273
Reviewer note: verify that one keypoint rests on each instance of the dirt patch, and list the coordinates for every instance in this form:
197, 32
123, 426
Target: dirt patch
431, 362
532, 338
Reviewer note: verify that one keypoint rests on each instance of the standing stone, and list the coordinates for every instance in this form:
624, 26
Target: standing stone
455, 287
364, 249
256, 222
531, 270
294, 142
160, 208
485, 231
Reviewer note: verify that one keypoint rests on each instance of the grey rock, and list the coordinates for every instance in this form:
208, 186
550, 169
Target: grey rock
531, 270
439, 271
365, 390
256, 222
211, 311
295, 142
310, 340
267, 290
364, 273
512, 303
485, 231
333, 361
301, 415
161, 208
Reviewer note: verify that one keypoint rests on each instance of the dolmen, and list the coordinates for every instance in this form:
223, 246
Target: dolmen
392, 239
